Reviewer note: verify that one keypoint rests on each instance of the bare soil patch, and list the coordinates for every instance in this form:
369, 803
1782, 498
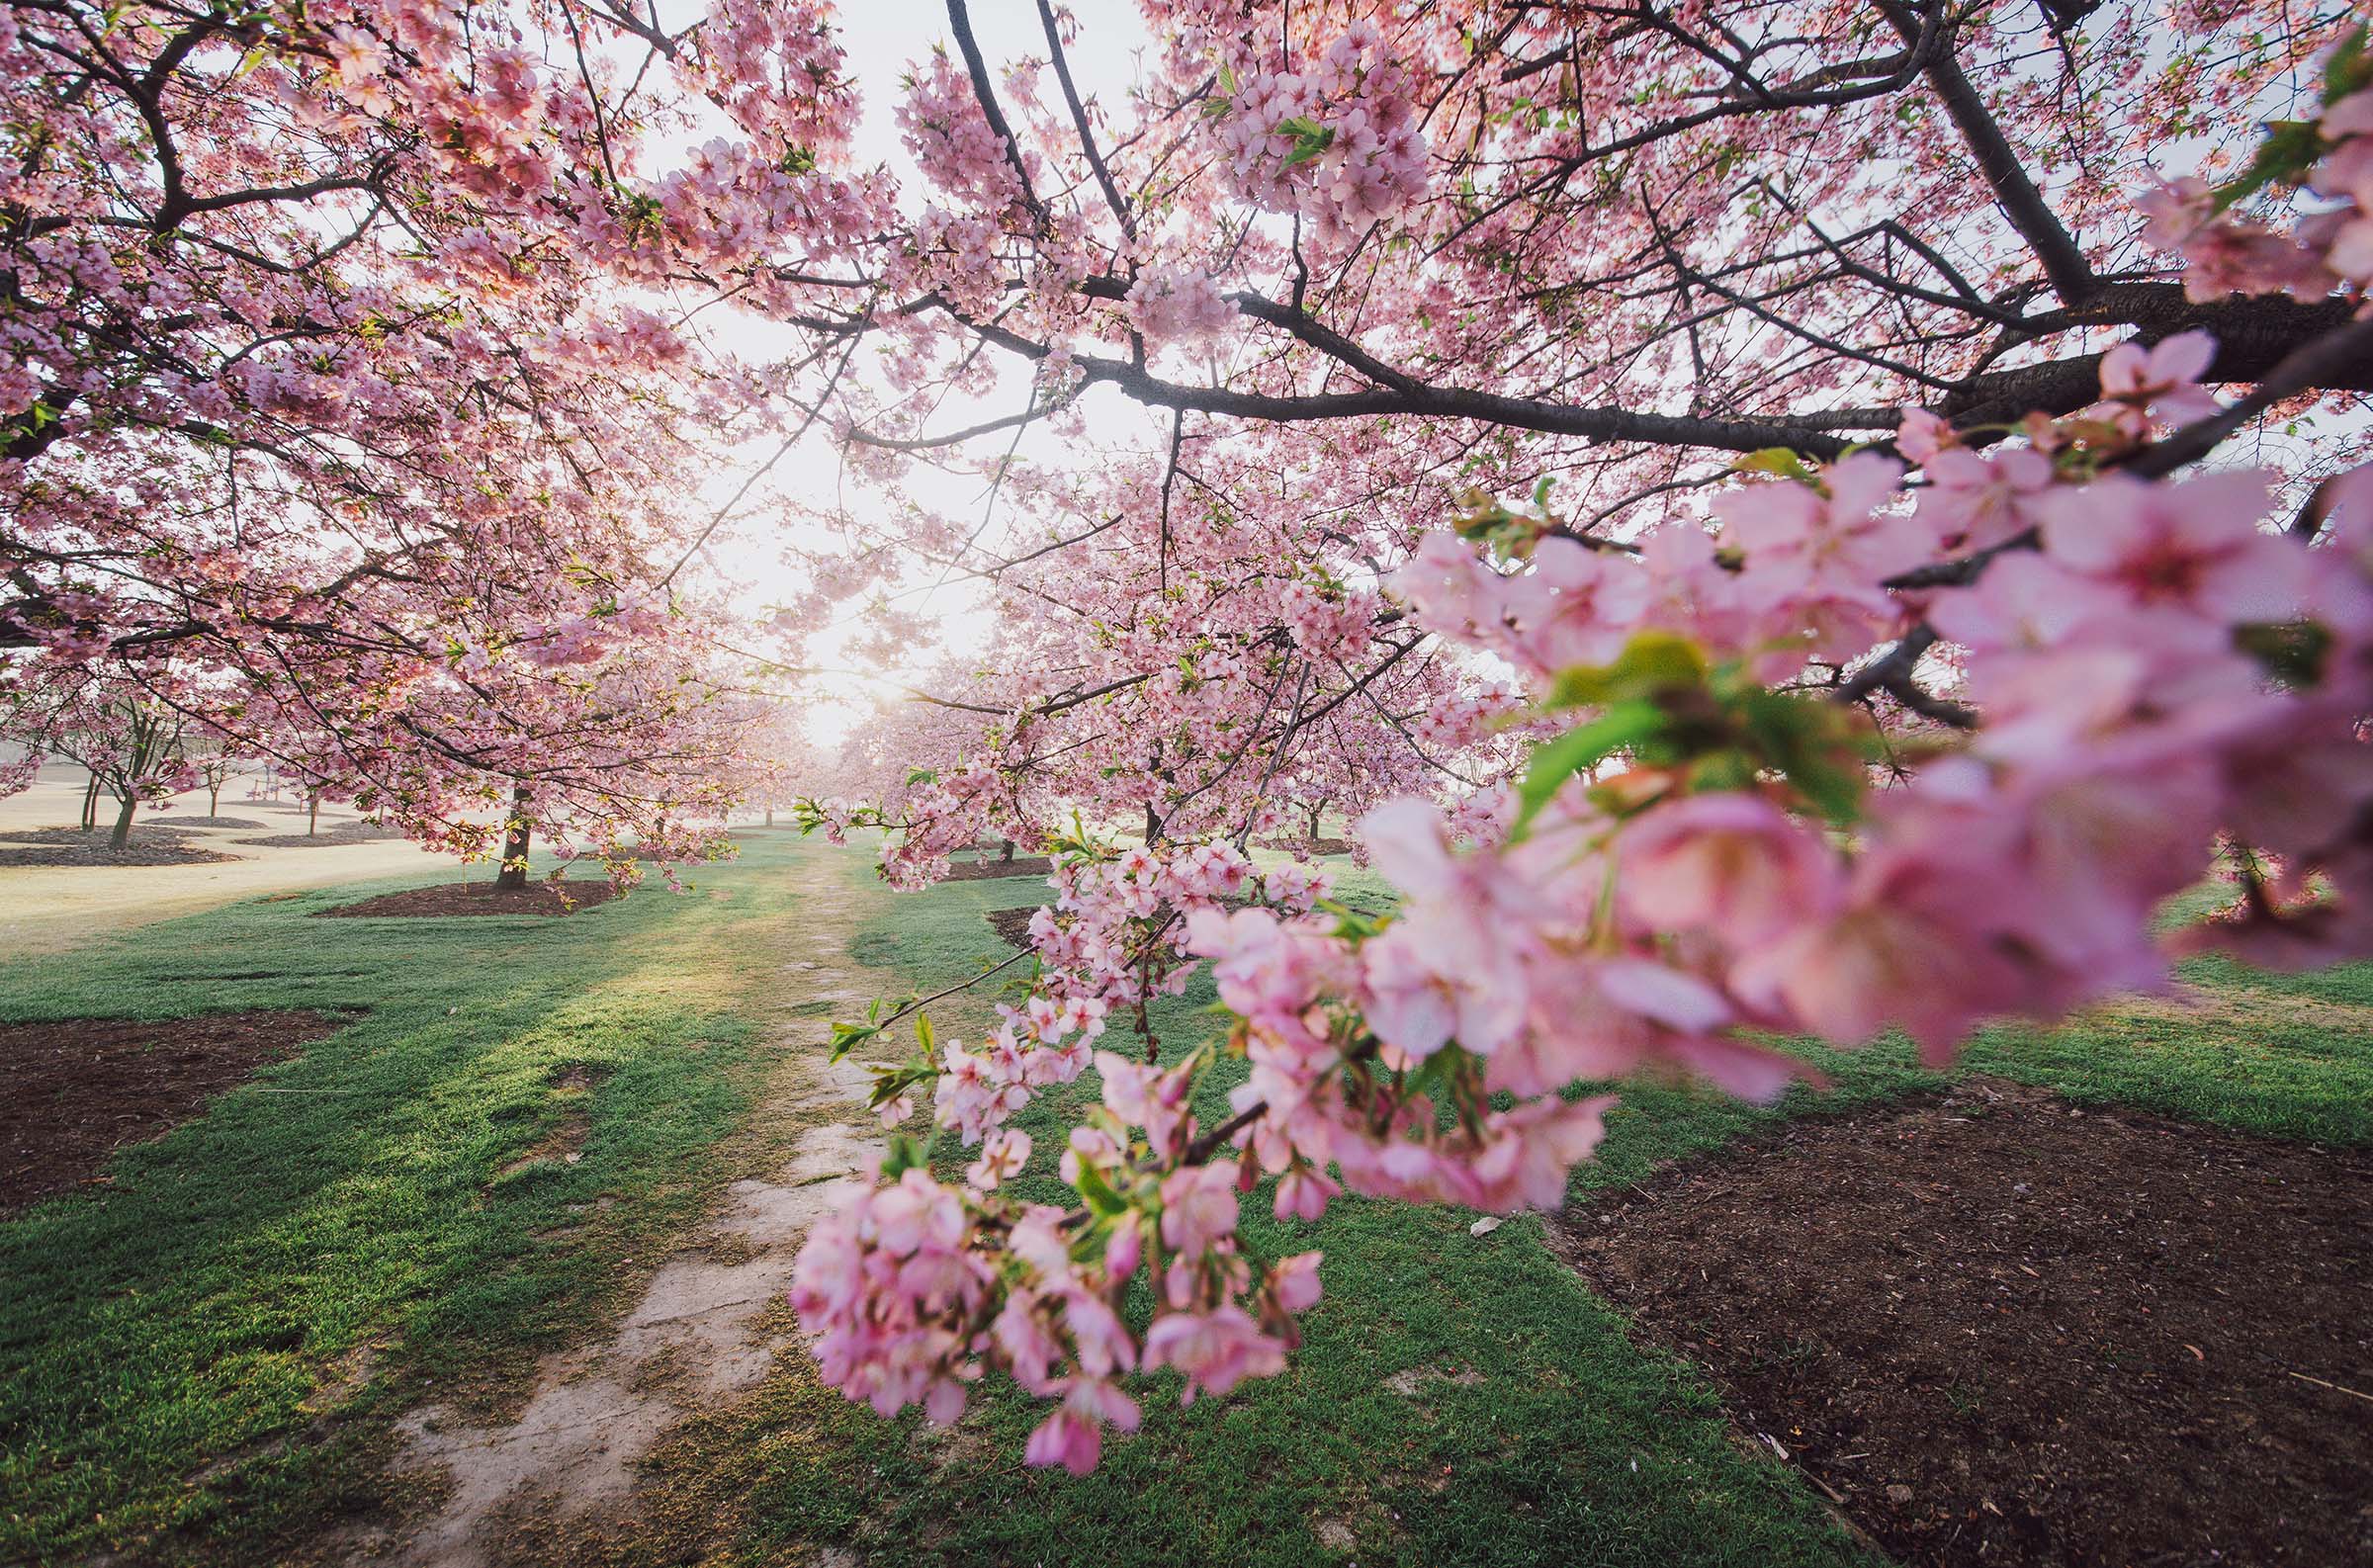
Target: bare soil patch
149, 845
1310, 846
1995, 1328
78, 1089
1014, 924
984, 870
481, 898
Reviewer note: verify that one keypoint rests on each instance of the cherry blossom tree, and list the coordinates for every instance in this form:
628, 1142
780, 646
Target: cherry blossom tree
134, 746
1819, 529
212, 765
340, 366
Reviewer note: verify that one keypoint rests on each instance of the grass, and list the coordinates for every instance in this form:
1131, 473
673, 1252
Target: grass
1459, 1398
198, 1362
169, 1350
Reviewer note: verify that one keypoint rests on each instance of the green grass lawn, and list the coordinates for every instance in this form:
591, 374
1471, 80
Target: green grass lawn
169, 1348
1532, 1430
204, 1356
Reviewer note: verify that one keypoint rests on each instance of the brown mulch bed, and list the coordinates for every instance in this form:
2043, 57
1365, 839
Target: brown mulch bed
149, 845
1995, 1328
1014, 924
982, 870
142, 833
79, 1089
482, 898
344, 834
1314, 847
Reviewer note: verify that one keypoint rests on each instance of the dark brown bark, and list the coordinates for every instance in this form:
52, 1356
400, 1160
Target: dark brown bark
120, 838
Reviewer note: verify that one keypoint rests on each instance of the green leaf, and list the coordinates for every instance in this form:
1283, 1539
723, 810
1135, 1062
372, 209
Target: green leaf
1097, 1194
2291, 148
1809, 740
905, 1152
2293, 653
1652, 663
1355, 925
925, 1035
1310, 139
1625, 724
1783, 462
2348, 70
847, 1037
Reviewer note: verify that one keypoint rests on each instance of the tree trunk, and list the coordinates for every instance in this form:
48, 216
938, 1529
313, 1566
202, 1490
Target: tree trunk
514, 842
1314, 810
313, 814
121, 838
1006, 855
771, 816
213, 800
90, 804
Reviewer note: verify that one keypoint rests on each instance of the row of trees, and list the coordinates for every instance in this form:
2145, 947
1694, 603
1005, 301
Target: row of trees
344, 419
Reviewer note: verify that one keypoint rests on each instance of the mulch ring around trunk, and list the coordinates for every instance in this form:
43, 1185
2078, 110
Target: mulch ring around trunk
1311, 846
482, 898
1014, 924
148, 846
344, 834
79, 1089
1996, 1328
982, 870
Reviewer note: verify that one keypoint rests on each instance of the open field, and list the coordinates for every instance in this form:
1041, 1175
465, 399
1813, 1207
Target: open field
348, 1312
50, 909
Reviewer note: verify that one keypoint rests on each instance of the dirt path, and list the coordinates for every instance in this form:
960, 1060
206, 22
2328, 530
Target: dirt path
699, 1335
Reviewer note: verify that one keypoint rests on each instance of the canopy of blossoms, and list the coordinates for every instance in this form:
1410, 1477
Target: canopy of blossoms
1780, 521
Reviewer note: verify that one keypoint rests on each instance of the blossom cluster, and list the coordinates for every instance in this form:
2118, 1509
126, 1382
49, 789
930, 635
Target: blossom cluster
914, 1288
2328, 247
1177, 305
1337, 140
1710, 854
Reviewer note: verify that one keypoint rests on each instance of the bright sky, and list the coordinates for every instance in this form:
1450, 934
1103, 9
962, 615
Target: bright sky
883, 38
